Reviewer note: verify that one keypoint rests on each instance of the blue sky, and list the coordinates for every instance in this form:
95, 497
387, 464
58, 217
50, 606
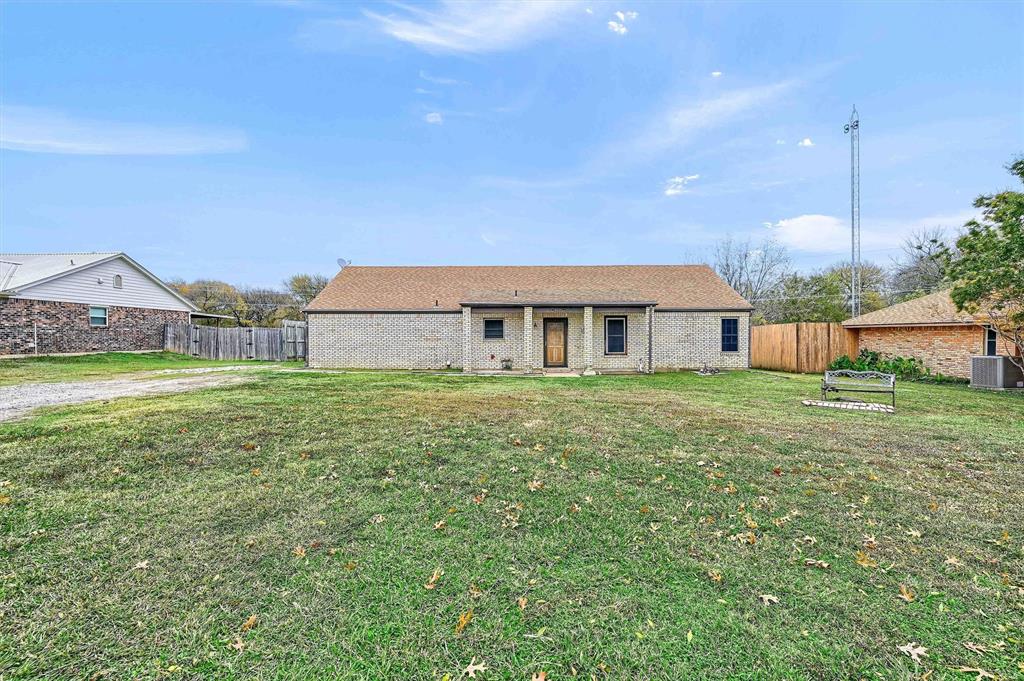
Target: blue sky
249, 141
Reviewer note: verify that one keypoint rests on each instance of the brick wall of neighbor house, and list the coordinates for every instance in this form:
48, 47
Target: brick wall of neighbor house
487, 354
64, 327
391, 340
943, 349
686, 340
636, 340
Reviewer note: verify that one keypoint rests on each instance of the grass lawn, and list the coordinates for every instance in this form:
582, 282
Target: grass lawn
405, 526
49, 369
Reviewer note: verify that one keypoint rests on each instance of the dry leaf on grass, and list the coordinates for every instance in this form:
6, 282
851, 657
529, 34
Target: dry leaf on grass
768, 599
915, 651
979, 673
351, 565
714, 576
535, 485
440, 524
976, 647
464, 619
475, 591
906, 593
521, 602
141, 565
377, 519
238, 644
473, 668
250, 447
249, 623
299, 550
539, 676
864, 560
810, 562
432, 582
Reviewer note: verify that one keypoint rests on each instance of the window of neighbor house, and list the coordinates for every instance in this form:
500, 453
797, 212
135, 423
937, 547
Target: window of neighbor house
494, 329
97, 316
614, 335
730, 334
118, 282
991, 348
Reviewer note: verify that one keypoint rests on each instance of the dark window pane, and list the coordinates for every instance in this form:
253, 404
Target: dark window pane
494, 328
990, 342
615, 335
730, 335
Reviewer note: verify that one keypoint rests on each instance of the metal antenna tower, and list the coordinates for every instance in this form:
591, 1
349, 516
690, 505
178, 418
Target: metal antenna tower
852, 128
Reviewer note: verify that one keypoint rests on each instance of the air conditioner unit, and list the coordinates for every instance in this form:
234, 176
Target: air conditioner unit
995, 373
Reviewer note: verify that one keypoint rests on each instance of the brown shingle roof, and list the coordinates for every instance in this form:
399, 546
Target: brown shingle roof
417, 288
932, 309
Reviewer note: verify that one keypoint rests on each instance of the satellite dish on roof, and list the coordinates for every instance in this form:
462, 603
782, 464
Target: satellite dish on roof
342, 263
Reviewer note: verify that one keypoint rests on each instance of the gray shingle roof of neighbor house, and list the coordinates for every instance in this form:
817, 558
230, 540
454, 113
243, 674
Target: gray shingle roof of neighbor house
934, 309
448, 288
19, 271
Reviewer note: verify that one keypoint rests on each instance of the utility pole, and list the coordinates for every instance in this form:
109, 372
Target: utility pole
852, 128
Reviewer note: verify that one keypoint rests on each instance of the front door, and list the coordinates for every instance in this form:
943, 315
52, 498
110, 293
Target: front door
556, 342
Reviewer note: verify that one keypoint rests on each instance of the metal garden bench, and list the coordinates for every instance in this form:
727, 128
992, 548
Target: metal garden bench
845, 380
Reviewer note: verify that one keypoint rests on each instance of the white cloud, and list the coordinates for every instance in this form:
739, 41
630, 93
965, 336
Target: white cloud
830, 234
616, 27
674, 186
626, 16
780, 141
44, 131
716, 74
434, 118
489, 238
474, 27
440, 80
805, 142
813, 233
422, 91
590, 11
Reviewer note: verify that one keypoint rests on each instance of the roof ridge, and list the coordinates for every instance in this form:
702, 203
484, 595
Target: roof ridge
69, 253
519, 266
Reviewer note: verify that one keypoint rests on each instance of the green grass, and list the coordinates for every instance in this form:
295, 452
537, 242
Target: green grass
50, 369
650, 486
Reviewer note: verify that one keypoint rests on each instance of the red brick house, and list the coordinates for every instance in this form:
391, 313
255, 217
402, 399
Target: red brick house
53, 303
931, 329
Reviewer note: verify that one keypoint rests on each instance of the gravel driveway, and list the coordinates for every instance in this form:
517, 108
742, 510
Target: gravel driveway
18, 400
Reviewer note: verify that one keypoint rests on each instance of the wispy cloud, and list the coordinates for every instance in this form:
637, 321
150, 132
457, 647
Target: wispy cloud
434, 118
440, 80
619, 26
675, 186
616, 27
469, 27
805, 142
49, 132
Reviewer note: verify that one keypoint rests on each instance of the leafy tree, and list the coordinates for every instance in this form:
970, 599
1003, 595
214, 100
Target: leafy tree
988, 271
265, 306
305, 287
824, 296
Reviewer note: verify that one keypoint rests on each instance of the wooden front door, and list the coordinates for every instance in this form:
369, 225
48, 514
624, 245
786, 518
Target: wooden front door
556, 342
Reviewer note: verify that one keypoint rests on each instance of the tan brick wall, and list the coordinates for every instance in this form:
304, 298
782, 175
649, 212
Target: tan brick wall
943, 349
686, 340
487, 354
392, 340
575, 317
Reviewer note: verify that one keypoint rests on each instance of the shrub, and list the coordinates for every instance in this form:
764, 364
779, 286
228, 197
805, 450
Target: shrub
906, 368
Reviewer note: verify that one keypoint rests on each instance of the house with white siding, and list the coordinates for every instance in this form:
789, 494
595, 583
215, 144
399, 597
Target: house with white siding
528, 319
83, 302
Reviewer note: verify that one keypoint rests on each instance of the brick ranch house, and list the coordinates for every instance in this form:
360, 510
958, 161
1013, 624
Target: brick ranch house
54, 303
931, 329
592, 319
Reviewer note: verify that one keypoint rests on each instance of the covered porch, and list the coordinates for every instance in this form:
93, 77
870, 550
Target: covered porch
543, 332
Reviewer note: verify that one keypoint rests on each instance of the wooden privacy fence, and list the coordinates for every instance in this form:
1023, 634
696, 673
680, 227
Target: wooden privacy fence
804, 347
243, 342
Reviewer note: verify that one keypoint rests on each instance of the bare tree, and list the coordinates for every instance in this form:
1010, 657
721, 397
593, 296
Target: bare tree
305, 287
755, 272
920, 269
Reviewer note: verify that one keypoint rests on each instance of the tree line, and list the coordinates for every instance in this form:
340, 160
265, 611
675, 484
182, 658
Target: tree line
253, 305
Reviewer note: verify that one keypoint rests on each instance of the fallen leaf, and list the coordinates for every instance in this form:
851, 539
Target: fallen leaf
141, 565
535, 485
768, 599
475, 591
432, 582
517, 442
521, 602
864, 560
777, 471
299, 550
538, 447
473, 668
539, 676
869, 542
249, 623
714, 576
464, 619
976, 647
915, 651
377, 519
980, 673
440, 524
810, 562
249, 447
645, 509
916, 534
238, 644
906, 593
256, 472
350, 565
954, 561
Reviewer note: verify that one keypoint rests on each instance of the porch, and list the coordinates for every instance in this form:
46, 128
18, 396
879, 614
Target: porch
556, 336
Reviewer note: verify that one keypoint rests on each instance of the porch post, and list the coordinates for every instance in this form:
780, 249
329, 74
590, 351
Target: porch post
467, 337
588, 341
528, 340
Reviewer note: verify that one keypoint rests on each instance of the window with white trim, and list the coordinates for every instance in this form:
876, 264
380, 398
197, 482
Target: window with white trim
494, 329
97, 316
991, 344
614, 335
